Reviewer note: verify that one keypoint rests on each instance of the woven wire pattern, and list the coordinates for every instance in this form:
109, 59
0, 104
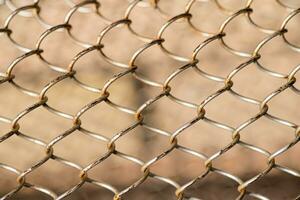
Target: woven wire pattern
193, 62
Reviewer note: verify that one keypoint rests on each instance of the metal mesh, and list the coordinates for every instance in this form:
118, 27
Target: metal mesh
130, 69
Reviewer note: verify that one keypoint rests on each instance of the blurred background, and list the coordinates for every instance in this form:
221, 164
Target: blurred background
165, 114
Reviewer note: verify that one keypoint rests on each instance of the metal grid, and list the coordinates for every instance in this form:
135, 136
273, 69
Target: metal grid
130, 69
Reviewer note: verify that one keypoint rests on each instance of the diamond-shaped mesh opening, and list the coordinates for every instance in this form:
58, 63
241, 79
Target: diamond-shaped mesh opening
219, 186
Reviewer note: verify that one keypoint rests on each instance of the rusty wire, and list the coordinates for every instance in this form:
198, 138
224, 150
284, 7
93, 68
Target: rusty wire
130, 69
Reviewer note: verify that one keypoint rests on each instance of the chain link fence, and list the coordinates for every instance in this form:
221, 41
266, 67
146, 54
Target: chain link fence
158, 99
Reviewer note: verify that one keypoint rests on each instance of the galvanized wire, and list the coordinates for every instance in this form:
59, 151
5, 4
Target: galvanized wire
130, 69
